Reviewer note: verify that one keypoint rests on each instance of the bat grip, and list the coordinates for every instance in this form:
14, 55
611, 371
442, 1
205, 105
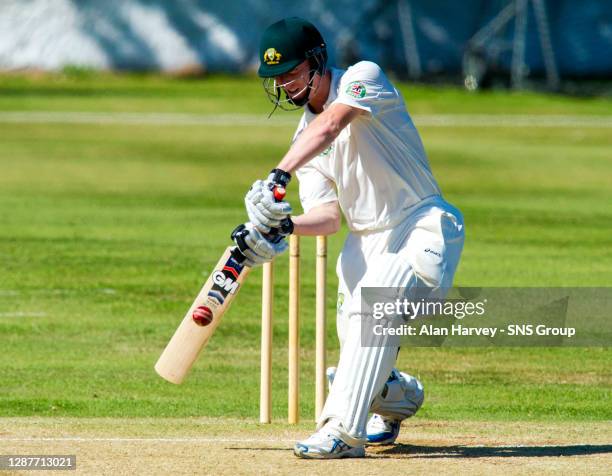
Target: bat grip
278, 191
237, 254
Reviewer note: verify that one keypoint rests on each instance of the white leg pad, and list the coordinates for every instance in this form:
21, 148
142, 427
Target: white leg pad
400, 398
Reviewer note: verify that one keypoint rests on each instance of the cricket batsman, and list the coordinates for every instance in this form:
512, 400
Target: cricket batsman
357, 152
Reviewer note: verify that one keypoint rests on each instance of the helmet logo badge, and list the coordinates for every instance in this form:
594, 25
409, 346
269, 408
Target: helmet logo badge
271, 56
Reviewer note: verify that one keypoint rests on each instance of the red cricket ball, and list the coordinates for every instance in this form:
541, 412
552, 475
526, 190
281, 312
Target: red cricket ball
202, 316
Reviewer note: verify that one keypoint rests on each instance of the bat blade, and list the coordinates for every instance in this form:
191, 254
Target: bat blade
210, 305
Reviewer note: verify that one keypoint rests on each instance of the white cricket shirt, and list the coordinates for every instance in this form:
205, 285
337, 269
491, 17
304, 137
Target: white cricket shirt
376, 168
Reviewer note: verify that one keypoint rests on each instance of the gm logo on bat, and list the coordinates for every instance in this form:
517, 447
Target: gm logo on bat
225, 282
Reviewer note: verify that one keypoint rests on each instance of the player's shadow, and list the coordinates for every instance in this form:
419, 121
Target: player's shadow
417, 451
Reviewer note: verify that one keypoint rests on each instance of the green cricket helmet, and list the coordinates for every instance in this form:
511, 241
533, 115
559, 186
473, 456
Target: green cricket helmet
284, 45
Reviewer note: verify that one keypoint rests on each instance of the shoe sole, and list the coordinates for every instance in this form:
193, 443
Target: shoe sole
387, 442
358, 452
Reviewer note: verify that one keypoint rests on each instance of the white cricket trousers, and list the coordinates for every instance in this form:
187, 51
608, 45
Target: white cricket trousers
422, 251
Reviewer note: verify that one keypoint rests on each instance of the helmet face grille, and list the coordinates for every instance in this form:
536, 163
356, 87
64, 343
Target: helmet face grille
278, 96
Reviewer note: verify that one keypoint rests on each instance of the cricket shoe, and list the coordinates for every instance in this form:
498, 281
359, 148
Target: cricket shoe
382, 431
325, 444
401, 398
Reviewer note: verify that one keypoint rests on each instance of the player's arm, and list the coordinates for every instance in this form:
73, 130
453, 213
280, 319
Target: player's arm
318, 136
322, 220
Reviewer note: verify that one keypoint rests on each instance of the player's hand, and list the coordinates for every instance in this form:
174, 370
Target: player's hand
264, 209
255, 246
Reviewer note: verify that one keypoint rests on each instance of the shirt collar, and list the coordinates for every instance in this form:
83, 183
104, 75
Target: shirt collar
336, 74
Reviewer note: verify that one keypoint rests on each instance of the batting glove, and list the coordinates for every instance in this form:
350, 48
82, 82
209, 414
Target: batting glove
255, 246
263, 209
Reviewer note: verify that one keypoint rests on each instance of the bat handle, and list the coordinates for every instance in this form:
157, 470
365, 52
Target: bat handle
237, 254
273, 236
237, 237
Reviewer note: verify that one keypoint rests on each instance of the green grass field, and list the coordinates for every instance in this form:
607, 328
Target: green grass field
108, 231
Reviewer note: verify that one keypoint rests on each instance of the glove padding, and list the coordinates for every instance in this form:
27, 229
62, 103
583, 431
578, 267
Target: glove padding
260, 250
264, 211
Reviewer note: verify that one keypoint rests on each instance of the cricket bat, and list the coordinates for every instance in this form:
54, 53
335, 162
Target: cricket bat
213, 301
203, 317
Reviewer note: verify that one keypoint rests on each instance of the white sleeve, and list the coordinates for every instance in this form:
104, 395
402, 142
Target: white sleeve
364, 86
315, 188
300, 128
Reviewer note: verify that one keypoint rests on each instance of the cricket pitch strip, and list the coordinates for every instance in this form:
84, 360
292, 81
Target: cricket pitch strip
233, 446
